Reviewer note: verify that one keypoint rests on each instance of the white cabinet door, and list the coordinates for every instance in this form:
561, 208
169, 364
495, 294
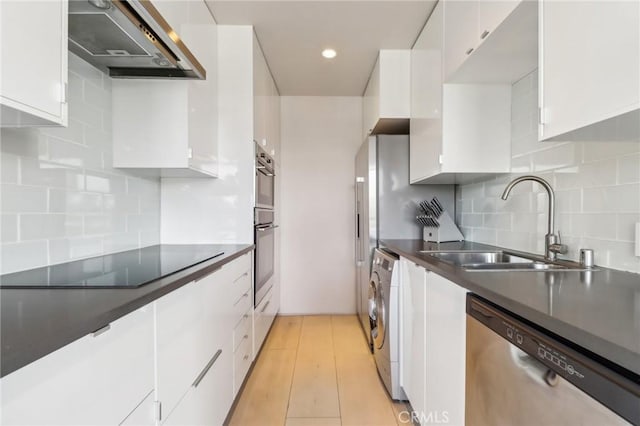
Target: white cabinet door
261, 79
589, 68
425, 130
209, 398
491, 14
445, 349
441, 149
33, 58
413, 342
387, 98
182, 346
96, 380
460, 33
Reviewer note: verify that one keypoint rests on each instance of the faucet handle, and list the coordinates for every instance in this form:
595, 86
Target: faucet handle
559, 247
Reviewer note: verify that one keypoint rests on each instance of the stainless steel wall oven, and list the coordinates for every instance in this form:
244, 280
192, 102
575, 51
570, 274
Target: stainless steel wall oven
264, 226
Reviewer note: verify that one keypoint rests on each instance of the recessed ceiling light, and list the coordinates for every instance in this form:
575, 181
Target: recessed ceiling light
329, 53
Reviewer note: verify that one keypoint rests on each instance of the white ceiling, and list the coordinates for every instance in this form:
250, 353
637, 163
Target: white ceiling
293, 34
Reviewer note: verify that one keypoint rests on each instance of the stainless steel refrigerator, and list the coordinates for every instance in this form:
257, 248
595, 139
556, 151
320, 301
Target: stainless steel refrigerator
386, 206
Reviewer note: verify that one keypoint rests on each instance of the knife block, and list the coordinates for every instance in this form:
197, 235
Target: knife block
446, 232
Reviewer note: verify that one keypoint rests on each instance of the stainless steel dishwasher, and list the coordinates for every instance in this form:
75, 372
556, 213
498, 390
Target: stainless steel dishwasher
517, 374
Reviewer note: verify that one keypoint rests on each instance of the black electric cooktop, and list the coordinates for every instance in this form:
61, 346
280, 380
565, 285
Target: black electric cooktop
127, 269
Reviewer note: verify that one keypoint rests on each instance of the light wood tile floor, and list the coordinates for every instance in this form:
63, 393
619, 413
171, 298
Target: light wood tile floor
315, 371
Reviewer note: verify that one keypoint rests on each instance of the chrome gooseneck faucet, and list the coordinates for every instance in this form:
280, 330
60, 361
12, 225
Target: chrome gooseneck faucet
551, 242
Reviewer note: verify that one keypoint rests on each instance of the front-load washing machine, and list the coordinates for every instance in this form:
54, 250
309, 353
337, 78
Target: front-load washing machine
384, 315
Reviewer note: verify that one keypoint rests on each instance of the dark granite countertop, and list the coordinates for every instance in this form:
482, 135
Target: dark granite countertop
36, 322
597, 310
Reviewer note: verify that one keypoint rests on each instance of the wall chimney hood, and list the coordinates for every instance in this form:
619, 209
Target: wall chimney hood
129, 39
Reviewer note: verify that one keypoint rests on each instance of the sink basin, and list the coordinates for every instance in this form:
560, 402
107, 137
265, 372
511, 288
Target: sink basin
499, 260
461, 258
531, 266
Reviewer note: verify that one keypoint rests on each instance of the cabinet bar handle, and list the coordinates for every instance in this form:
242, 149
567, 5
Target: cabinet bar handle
469, 50
246, 357
206, 369
246, 336
265, 306
101, 330
484, 34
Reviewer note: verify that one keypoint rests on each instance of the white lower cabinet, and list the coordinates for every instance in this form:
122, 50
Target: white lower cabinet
209, 398
97, 380
195, 328
413, 324
177, 361
433, 330
263, 317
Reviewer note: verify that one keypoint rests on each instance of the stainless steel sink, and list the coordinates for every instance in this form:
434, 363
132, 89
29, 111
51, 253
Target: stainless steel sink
474, 257
500, 260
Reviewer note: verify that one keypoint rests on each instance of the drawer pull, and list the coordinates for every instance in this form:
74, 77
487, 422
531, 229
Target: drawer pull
484, 34
243, 275
264, 308
246, 336
101, 330
245, 316
469, 50
206, 369
246, 357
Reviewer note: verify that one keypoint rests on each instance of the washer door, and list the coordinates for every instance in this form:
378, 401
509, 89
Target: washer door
377, 311
372, 308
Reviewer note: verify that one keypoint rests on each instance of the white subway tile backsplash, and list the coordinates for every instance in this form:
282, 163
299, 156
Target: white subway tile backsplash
597, 187
61, 198
48, 226
121, 203
61, 201
23, 255
9, 168
594, 225
8, 227
107, 183
43, 173
596, 151
626, 223
104, 224
629, 169
72, 133
472, 219
484, 205
497, 220
23, 199
75, 155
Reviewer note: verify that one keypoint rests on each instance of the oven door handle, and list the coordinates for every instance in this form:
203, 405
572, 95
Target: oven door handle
266, 228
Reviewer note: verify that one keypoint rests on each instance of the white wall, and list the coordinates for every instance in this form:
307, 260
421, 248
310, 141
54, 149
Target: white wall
220, 210
597, 192
319, 140
61, 199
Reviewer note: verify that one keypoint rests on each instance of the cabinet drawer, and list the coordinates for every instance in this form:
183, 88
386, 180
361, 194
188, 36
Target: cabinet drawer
243, 330
98, 379
236, 268
242, 359
207, 402
242, 306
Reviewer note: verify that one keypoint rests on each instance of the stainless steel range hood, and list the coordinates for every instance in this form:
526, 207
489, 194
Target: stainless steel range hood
129, 39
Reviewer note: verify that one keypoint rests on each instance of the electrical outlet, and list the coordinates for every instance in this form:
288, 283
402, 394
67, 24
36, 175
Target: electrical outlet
638, 239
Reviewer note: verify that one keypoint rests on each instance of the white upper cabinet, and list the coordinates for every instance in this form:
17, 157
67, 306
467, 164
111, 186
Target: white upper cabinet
589, 70
33, 58
170, 127
386, 100
457, 131
489, 41
266, 104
